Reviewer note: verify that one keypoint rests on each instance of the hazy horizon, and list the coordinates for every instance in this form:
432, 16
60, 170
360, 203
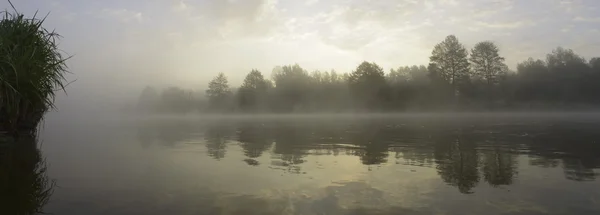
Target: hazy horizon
120, 47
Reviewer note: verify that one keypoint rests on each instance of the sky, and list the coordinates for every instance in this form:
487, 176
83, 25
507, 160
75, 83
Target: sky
133, 43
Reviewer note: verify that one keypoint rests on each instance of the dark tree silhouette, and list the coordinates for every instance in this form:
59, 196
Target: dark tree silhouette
368, 86
449, 58
252, 95
218, 92
488, 66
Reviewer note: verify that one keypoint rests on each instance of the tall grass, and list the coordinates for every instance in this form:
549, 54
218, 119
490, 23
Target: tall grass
32, 69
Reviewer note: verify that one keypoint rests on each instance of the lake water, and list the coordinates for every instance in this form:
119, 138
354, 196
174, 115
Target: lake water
379, 164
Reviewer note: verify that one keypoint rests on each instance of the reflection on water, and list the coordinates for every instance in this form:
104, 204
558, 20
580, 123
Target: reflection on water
24, 185
327, 166
463, 154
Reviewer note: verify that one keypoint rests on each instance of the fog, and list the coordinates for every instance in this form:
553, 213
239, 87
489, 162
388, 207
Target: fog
118, 48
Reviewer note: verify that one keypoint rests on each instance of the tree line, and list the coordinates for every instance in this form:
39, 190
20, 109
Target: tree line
455, 78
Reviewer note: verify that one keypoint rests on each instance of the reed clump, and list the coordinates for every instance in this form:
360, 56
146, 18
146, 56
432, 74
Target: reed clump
32, 69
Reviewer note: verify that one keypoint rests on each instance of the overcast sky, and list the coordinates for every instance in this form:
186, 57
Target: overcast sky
131, 43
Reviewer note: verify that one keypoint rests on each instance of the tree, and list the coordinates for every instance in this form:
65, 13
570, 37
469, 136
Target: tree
534, 79
450, 59
368, 85
571, 76
561, 57
253, 91
175, 99
407, 84
595, 64
218, 91
487, 65
148, 100
486, 62
291, 87
328, 91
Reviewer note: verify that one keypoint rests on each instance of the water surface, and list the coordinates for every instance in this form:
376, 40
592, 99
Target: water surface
455, 164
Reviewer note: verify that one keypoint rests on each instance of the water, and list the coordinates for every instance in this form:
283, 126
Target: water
411, 164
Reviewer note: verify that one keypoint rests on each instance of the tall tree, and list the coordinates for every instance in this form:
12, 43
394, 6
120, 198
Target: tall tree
450, 59
218, 91
253, 91
571, 74
561, 57
291, 87
487, 64
368, 85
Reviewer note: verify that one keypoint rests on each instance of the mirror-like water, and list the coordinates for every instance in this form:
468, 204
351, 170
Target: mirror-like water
325, 165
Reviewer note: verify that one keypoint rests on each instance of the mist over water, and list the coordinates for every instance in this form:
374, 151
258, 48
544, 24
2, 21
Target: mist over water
270, 107
518, 163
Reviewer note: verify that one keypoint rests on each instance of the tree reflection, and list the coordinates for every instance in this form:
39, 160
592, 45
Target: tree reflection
254, 138
24, 185
292, 142
371, 137
457, 161
572, 144
462, 155
217, 135
166, 133
498, 167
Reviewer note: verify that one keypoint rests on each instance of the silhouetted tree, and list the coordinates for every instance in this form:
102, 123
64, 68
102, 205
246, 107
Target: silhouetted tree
450, 61
409, 85
218, 92
487, 65
291, 88
175, 99
328, 91
368, 86
252, 94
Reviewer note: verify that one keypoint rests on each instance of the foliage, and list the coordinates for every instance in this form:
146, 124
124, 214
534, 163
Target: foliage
450, 60
175, 99
487, 64
292, 84
218, 91
253, 92
32, 69
413, 73
562, 78
368, 85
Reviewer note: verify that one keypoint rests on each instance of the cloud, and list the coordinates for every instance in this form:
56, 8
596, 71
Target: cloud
180, 6
448, 2
188, 36
123, 15
311, 2
502, 25
586, 19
